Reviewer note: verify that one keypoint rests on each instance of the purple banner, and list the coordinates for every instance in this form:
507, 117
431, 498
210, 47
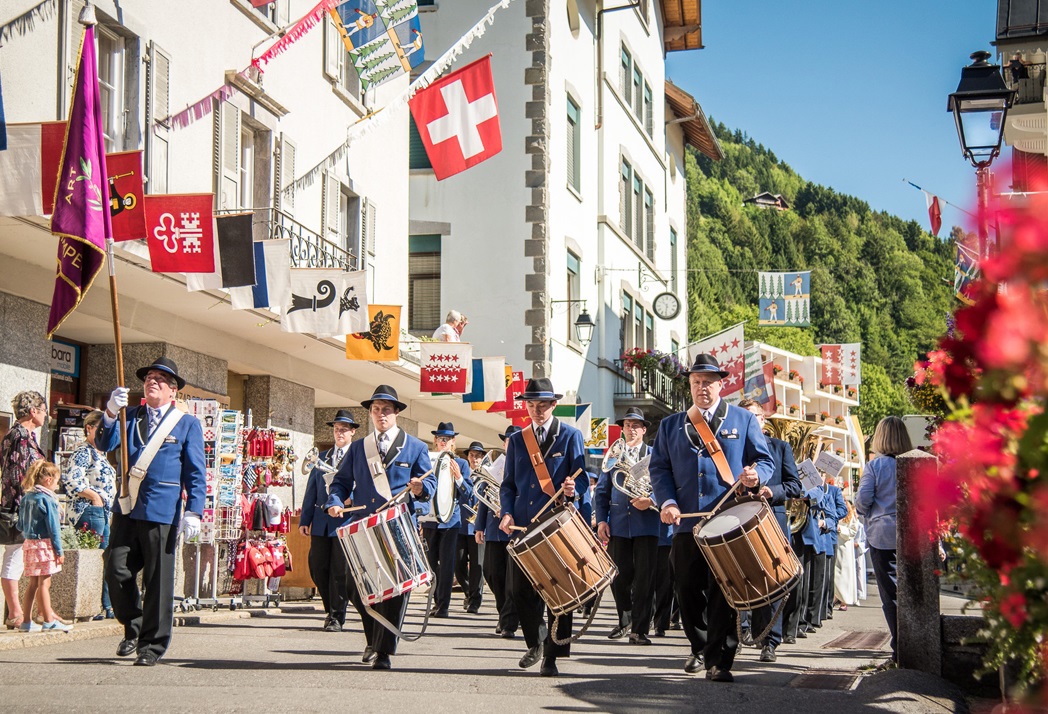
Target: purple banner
81, 218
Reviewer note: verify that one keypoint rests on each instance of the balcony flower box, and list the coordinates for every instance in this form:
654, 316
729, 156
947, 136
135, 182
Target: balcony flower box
792, 409
838, 419
823, 416
776, 369
850, 393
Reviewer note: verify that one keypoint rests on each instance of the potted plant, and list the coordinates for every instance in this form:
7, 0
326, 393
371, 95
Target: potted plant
793, 409
836, 389
838, 419
776, 369
854, 455
823, 416
794, 376
850, 392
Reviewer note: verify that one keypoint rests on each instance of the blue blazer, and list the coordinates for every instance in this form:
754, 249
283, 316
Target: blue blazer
835, 508
314, 514
178, 466
488, 524
407, 458
613, 507
521, 494
465, 492
585, 499
784, 482
683, 472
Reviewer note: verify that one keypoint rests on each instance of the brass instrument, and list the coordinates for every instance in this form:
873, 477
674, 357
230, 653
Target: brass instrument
797, 514
312, 461
630, 477
486, 485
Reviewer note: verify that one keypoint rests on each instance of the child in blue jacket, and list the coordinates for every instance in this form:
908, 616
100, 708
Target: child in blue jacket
40, 522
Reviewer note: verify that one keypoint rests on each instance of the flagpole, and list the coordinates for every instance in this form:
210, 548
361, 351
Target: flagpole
119, 346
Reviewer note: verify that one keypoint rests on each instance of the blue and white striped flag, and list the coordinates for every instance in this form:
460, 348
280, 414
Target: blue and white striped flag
489, 380
272, 286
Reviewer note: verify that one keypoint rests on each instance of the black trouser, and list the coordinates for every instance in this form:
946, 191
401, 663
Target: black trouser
663, 589
815, 591
496, 567
378, 637
798, 598
530, 607
707, 619
441, 544
634, 588
468, 570
142, 546
884, 569
330, 573
827, 586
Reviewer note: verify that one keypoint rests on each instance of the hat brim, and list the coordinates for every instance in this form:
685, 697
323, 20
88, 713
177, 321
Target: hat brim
538, 396
143, 371
719, 372
401, 406
445, 433
352, 424
622, 421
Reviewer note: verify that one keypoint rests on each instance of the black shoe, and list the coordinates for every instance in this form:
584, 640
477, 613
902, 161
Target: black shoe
802, 634
716, 674
531, 657
660, 633
147, 659
369, 655
768, 653
549, 667
127, 647
694, 664
747, 638
332, 626
441, 614
810, 629
619, 633
816, 625
473, 610
675, 626
499, 631
789, 640
382, 662
638, 639
508, 634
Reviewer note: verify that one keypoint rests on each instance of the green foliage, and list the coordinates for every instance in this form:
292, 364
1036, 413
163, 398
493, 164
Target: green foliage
876, 279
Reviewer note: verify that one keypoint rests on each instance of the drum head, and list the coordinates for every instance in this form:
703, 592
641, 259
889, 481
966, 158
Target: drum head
444, 498
730, 520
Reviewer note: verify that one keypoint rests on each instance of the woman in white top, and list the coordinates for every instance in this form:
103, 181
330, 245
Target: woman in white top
844, 581
451, 330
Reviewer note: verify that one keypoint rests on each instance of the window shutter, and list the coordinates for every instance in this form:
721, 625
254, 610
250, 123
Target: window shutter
283, 13
649, 228
284, 176
332, 194
227, 156
638, 212
625, 70
367, 223
417, 156
649, 120
158, 107
333, 49
624, 200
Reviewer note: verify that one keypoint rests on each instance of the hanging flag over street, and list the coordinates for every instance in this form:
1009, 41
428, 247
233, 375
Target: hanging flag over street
488, 383
755, 388
965, 272
445, 366
234, 256
326, 302
81, 218
125, 192
832, 364
727, 347
598, 440
381, 341
934, 211
383, 37
29, 168
784, 299
458, 119
180, 230
272, 287
851, 366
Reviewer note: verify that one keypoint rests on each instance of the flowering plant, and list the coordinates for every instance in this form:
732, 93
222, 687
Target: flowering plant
87, 539
838, 419
795, 376
793, 408
991, 373
776, 369
653, 360
824, 415
850, 392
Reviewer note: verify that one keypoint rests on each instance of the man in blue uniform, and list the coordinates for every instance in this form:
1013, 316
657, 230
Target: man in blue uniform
400, 462
470, 553
686, 479
327, 563
496, 558
526, 489
168, 446
631, 528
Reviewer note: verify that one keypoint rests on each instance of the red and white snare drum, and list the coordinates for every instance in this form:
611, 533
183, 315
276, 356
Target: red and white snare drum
385, 554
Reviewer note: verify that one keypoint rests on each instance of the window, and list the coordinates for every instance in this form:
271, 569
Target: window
574, 145
417, 156
638, 326
424, 283
649, 224
247, 166
340, 216
111, 87
625, 205
649, 330
625, 73
158, 82
673, 260
243, 159
674, 348
638, 93
338, 65
574, 292
638, 213
625, 327
649, 120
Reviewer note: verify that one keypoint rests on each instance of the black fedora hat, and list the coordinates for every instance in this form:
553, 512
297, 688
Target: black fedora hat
707, 363
344, 416
634, 414
539, 388
510, 431
162, 364
477, 446
384, 392
445, 428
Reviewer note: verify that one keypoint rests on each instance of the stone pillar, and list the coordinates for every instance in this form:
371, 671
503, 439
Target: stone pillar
288, 406
199, 370
919, 626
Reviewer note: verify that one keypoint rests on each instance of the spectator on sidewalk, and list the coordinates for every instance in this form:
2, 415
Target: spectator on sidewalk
845, 586
451, 330
876, 503
40, 520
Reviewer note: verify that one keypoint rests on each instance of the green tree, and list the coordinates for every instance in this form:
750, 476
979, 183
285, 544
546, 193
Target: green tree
879, 396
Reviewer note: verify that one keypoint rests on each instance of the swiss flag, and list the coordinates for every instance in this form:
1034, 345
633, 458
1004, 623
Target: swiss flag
832, 357
180, 233
458, 119
934, 212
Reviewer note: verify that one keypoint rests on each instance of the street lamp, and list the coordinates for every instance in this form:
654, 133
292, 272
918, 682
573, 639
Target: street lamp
584, 323
980, 106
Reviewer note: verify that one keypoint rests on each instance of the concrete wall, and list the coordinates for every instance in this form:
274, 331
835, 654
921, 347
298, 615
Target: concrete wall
24, 352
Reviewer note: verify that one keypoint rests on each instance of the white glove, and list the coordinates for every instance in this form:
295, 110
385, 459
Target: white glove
117, 400
190, 526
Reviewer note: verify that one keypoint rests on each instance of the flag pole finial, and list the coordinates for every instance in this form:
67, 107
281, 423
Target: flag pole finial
87, 15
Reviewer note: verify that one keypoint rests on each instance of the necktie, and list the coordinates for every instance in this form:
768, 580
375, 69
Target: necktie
383, 444
154, 419
338, 457
541, 433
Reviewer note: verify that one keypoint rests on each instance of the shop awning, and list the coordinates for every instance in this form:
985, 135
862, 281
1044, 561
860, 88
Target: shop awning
688, 113
682, 23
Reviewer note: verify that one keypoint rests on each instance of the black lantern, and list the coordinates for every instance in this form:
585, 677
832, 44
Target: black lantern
979, 108
584, 325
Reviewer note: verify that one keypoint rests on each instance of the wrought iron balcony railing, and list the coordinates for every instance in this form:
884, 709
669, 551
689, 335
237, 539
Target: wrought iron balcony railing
308, 248
650, 384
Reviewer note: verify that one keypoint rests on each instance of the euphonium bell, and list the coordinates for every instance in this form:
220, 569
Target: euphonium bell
312, 461
486, 486
630, 477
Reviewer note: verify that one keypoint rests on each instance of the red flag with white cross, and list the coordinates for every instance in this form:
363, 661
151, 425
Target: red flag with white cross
458, 119
180, 233
445, 366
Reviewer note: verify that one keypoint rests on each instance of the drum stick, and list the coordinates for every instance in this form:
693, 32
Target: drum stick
518, 528
351, 509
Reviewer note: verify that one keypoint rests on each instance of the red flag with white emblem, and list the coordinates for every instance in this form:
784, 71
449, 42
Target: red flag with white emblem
832, 361
458, 119
727, 348
180, 233
445, 366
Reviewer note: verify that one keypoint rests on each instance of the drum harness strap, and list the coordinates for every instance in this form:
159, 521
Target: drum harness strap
535, 453
377, 468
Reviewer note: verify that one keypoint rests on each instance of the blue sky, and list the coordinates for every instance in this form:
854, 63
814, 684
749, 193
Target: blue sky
852, 95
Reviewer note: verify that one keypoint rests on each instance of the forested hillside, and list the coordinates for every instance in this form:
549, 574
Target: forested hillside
875, 278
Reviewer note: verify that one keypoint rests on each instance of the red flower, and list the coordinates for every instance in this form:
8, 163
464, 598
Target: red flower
1013, 609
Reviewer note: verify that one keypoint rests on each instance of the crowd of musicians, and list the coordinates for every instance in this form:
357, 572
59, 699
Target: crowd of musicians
663, 580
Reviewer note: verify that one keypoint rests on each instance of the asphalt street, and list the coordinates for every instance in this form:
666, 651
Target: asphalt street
280, 659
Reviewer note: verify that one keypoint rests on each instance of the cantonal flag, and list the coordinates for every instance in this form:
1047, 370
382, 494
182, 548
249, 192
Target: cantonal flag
445, 366
489, 380
832, 361
381, 341
181, 233
851, 368
125, 195
272, 287
29, 168
727, 348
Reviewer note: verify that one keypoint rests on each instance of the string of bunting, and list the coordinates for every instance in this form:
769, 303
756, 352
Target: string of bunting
26, 22
376, 119
205, 106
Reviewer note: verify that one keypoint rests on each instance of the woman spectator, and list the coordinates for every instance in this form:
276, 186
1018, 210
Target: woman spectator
451, 330
844, 584
18, 450
90, 480
876, 503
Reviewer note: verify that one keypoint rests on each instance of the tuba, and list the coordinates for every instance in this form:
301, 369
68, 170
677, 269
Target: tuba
486, 485
797, 513
312, 461
627, 476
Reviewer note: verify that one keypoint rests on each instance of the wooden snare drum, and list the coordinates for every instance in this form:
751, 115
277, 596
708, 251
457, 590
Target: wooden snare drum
748, 554
563, 560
